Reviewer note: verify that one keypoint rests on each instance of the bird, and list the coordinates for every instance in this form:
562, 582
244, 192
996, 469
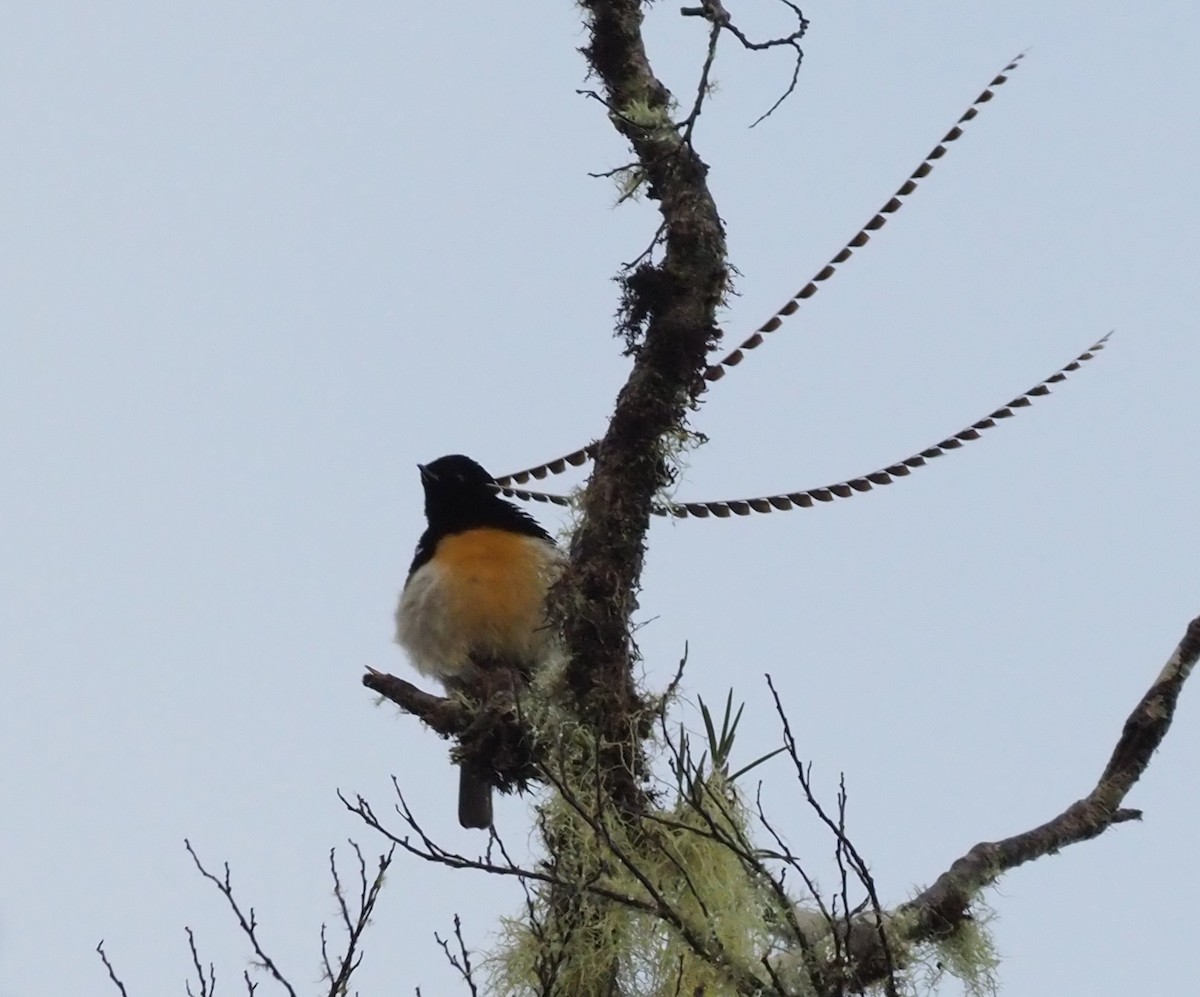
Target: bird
473, 605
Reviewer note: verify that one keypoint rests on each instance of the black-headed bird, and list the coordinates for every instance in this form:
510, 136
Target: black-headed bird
474, 604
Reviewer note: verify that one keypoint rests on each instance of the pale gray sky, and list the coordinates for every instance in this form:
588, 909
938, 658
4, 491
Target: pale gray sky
260, 259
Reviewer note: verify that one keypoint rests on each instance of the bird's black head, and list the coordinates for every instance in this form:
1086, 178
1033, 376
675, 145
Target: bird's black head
461, 495
456, 473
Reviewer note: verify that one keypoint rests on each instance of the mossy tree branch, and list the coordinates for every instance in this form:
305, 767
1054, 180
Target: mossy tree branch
821, 951
942, 908
669, 316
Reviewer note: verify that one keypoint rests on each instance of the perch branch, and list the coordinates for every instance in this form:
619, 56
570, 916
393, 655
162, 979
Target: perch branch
449, 717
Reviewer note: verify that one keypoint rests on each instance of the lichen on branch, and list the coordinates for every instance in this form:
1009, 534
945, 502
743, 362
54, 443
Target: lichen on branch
670, 321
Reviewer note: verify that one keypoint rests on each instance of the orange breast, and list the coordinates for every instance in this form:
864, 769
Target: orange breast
495, 582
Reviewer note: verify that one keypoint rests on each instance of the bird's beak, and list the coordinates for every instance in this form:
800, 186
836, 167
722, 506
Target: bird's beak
426, 475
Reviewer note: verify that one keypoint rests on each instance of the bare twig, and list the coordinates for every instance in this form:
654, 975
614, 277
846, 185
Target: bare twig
616, 171
865, 878
849, 860
815, 972
353, 923
112, 973
247, 922
714, 12
208, 985
426, 848
688, 124
460, 960
646, 253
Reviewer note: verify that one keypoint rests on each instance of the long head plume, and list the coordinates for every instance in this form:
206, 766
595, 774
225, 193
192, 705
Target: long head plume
806, 499
718, 370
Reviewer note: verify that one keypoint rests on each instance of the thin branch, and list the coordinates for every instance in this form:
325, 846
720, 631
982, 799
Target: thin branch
688, 124
812, 967
356, 924
613, 111
207, 986
616, 171
461, 960
426, 848
714, 12
112, 973
449, 717
247, 923
868, 882
944, 906
668, 695
648, 252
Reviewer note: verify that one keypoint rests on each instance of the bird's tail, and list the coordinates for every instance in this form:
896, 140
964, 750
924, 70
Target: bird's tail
474, 800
